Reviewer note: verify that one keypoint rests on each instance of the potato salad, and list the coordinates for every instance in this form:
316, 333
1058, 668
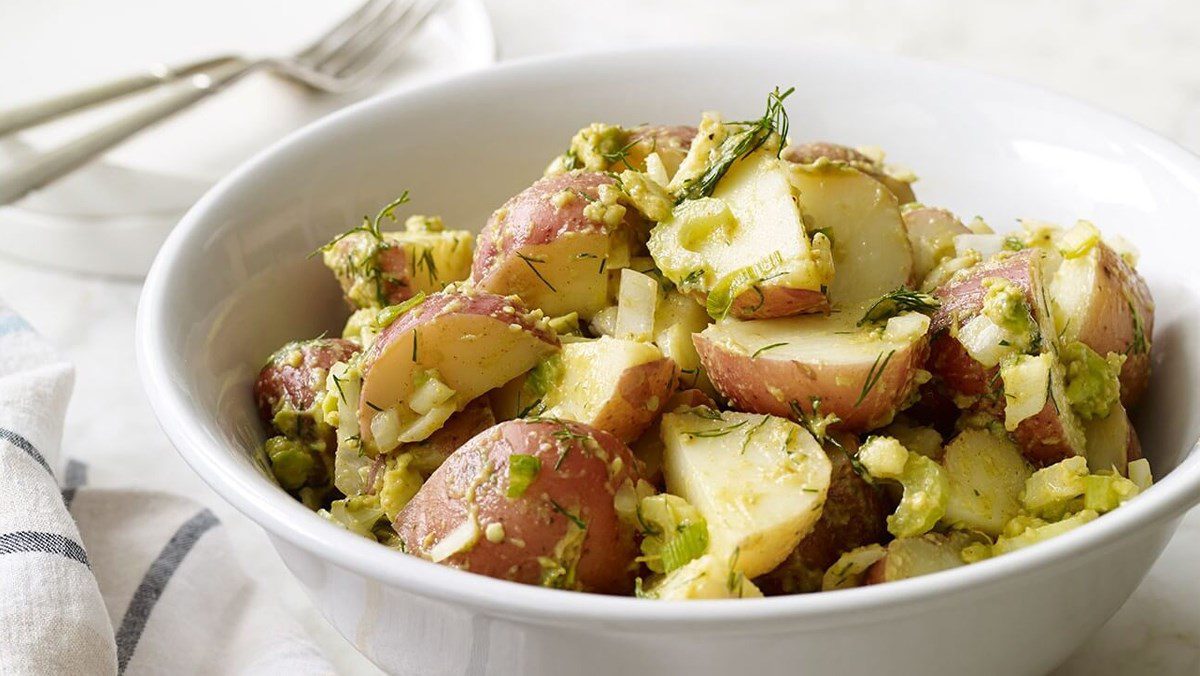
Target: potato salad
713, 362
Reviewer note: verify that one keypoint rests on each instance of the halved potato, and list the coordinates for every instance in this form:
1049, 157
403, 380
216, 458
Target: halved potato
855, 515
619, 386
459, 344
863, 375
987, 475
532, 502
808, 153
553, 243
861, 218
759, 481
744, 250
1101, 301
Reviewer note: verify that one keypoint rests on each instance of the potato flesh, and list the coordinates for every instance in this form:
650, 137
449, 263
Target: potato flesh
562, 276
705, 577
832, 340
1108, 441
472, 354
871, 251
759, 481
764, 222
987, 474
592, 372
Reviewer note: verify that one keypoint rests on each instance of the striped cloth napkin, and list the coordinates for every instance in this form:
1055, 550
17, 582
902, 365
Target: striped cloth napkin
100, 581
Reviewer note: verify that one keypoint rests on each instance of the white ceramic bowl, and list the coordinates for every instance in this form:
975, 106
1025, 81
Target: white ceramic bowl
233, 282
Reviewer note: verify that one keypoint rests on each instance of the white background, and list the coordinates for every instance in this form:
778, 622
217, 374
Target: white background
1141, 59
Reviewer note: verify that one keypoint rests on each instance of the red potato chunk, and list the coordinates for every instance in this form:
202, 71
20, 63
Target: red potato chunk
808, 153
559, 530
1047, 436
552, 244
466, 341
1101, 301
779, 367
961, 300
376, 271
292, 381
855, 515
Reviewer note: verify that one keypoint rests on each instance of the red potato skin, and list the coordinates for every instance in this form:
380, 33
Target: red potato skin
1134, 450
583, 483
767, 301
746, 383
279, 384
855, 515
507, 309
1042, 440
807, 153
961, 299
1041, 436
530, 219
1109, 325
638, 387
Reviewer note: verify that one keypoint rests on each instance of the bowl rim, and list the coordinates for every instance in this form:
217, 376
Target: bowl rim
284, 518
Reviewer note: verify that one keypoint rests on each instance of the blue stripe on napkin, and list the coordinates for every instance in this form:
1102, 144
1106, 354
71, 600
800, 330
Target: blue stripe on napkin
23, 444
47, 543
155, 581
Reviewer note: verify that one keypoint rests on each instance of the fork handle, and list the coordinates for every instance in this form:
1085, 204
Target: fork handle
45, 167
36, 113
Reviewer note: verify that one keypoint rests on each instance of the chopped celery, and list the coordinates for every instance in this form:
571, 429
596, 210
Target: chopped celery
1051, 490
926, 488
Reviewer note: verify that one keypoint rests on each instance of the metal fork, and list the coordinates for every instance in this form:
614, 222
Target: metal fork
346, 57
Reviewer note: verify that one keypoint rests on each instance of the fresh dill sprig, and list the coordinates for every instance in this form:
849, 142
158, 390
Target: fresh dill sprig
873, 375
717, 432
574, 519
764, 348
530, 261
749, 137
621, 154
370, 226
898, 302
1138, 345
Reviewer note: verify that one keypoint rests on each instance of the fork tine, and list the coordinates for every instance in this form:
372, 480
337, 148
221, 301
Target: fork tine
345, 30
354, 62
368, 35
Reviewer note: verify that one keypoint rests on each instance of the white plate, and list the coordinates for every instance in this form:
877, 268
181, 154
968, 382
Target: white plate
233, 282
110, 216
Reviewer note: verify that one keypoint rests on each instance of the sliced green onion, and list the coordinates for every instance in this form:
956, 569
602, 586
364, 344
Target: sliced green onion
689, 543
522, 470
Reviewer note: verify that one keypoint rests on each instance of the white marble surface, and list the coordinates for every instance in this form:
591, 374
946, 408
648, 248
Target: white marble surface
1139, 59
